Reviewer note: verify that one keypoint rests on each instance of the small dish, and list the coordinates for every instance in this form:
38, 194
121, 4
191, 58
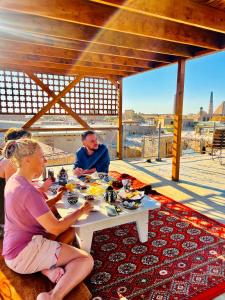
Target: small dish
131, 204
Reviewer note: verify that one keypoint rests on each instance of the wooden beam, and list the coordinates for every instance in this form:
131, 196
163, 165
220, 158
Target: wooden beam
19, 25
120, 125
184, 12
178, 121
60, 102
74, 55
52, 102
87, 47
69, 63
65, 69
63, 129
106, 17
20, 68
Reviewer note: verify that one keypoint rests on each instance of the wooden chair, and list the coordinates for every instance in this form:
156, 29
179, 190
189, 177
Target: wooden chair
14, 286
218, 144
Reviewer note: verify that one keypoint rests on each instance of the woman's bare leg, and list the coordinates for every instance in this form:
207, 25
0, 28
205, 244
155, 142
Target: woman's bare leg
67, 237
77, 265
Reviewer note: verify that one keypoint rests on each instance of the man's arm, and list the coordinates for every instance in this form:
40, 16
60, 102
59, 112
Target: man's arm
105, 162
77, 167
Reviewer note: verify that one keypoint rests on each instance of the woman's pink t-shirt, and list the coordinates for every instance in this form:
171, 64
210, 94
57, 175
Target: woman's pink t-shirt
23, 204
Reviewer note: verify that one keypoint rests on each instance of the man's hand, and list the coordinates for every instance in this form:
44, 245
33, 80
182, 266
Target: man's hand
78, 172
90, 171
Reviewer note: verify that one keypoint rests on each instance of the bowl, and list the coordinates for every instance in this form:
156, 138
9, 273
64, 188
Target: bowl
131, 195
72, 197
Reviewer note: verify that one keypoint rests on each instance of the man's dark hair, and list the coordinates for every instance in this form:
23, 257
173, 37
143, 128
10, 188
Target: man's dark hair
86, 133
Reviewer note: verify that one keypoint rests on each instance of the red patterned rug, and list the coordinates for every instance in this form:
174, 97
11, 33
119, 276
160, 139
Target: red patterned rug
184, 257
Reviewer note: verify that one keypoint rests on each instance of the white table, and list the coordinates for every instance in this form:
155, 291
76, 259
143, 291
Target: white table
87, 224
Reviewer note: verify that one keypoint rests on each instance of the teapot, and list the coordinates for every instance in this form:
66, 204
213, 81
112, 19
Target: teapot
110, 195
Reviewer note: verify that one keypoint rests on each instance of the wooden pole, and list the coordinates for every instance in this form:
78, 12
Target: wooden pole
178, 120
120, 125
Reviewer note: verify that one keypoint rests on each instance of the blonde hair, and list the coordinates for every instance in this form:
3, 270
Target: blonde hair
17, 150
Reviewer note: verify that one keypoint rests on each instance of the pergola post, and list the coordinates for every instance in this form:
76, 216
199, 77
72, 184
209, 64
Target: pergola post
120, 125
178, 120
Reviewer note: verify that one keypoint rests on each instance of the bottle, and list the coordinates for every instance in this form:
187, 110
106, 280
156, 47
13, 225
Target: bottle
51, 175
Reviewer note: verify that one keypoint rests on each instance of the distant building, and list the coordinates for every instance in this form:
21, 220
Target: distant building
220, 110
129, 114
134, 127
203, 116
210, 111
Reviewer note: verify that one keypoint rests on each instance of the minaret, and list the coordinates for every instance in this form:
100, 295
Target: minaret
201, 114
210, 112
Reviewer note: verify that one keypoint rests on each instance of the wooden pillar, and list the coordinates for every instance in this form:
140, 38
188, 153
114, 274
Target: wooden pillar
120, 125
178, 120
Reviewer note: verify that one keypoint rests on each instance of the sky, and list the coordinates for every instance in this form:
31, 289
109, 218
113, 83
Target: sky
153, 91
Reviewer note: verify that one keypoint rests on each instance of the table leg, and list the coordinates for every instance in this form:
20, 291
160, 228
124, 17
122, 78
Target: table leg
142, 226
84, 238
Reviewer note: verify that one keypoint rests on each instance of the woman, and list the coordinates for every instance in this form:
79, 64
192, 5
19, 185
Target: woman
7, 169
25, 246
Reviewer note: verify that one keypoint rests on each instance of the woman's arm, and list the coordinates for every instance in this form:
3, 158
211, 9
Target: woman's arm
52, 201
55, 226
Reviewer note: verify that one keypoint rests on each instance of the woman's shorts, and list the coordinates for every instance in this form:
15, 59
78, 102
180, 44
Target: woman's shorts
38, 255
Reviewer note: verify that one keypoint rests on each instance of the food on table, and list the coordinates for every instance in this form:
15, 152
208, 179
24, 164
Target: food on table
130, 195
70, 186
82, 187
94, 184
96, 190
131, 204
87, 178
89, 197
117, 184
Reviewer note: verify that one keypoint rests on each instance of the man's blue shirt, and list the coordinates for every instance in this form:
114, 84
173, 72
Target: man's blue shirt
99, 159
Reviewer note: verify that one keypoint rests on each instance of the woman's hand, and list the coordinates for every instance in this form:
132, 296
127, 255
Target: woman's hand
60, 192
86, 207
45, 186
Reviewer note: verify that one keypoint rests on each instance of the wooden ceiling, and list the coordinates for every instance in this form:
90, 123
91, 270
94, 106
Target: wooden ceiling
110, 38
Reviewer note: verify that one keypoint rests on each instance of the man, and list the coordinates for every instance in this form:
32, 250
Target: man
92, 156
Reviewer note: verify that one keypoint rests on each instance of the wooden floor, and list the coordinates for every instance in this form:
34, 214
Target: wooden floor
26, 287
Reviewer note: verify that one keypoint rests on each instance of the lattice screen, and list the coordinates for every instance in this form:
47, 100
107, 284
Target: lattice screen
20, 95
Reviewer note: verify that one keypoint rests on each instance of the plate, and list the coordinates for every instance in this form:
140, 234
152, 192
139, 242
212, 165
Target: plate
131, 196
96, 208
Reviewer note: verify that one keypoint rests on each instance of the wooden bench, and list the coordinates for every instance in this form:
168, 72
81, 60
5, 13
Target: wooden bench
26, 287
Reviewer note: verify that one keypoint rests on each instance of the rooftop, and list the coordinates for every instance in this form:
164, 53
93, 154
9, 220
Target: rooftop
201, 184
